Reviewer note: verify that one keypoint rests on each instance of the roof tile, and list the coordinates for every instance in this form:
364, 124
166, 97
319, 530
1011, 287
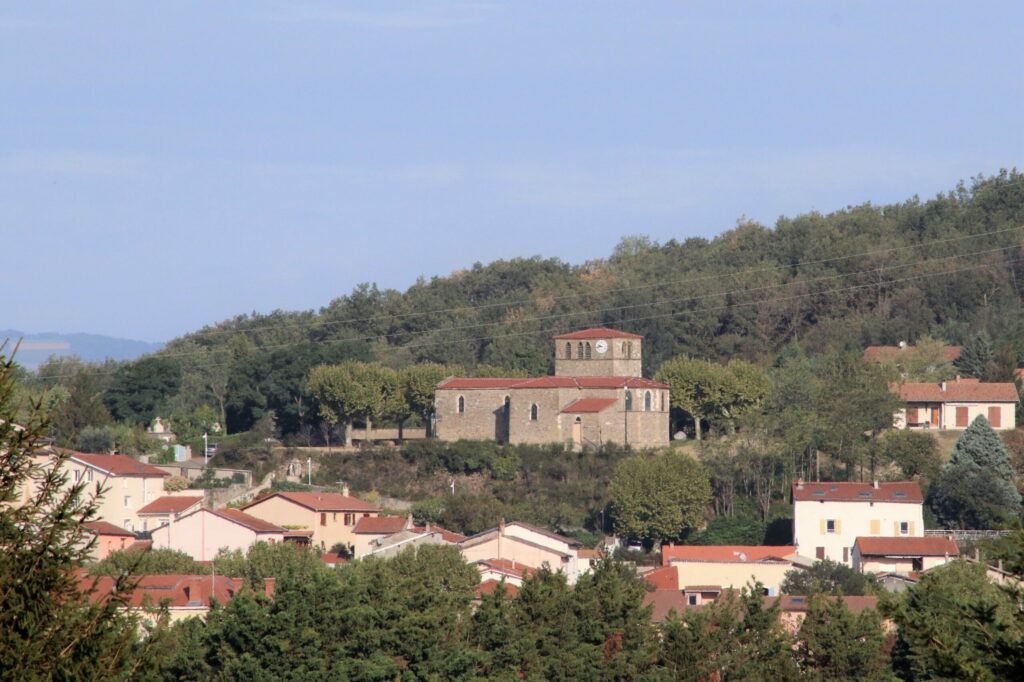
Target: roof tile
887, 491
906, 546
118, 465
171, 504
737, 553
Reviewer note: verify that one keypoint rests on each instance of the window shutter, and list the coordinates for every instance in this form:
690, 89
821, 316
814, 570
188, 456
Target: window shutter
961, 416
839, 527
911, 415
876, 527
895, 528
995, 414
911, 527
821, 526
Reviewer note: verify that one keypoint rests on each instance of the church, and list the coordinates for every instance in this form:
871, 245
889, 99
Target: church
596, 396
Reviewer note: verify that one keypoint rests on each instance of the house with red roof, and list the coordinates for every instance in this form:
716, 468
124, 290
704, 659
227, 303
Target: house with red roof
109, 538
204, 532
386, 536
331, 517
703, 571
168, 508
829, 516
596, 395
902, 555
954, 404
526, 546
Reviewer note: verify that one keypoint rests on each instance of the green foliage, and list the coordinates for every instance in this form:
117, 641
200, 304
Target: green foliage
976, 357
828, 577
285, 562
99, 440
656, 498
956, 625
161, 561
356, 390
1007, 549
745, 529
927, 361
141, 389
915, 453
51, 629
280, 485
502, 462
835, 644
707, 391
976, 489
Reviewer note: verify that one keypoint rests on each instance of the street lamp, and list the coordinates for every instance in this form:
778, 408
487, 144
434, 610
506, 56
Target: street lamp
309, 470
206, 450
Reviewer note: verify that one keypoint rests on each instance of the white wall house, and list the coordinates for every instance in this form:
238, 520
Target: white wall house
829, 517
954, 404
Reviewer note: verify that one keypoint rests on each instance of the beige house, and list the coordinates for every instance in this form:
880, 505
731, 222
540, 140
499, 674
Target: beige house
168, 508
829, 517
109, 538
955, 404
527, 546
703, 571
902, 555
204, 532
370, 529
331, 517
596, 396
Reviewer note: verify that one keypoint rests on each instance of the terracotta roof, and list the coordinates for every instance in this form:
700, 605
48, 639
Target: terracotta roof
491, 586
179, 591
907, 546
333, 559
105, 528
446, 535
321, 501
585, 553
888, 491
663, 578
702, 588
662, 602
737, 553
250, 522
588, 405
957, 391
170, 504
515, 383
380, 525
597, 333
118, 465
883, 353
514, 568
797, 603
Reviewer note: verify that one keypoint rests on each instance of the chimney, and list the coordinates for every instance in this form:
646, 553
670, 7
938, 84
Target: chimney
269, 586
903, 345
874, 484
943, 386
501, 525
800, 484
408, 522
344, 489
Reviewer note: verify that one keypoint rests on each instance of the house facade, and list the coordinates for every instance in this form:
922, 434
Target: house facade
164, 510
109, 538
526, 546
829, 517
596, 396
204, 532
902, 555
331, 517
954, 404
703, 571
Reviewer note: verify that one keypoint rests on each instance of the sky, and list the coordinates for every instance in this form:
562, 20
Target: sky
168, 165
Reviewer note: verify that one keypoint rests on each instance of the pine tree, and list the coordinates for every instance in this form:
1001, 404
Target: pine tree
49, 627
835, 644
976, 489
976, 357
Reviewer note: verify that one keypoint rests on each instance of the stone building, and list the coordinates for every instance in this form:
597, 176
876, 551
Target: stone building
596, 396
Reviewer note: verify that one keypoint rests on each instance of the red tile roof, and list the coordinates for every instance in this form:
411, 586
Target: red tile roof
663, 578
514, 383
321, 501
104, 528
379, 525
179, 591
883, 353
597, 333
907, 546
738, 553
585, 553
663, 602
957, 391
491, 586
514, 568
171, 504
890, 491
248, 521
118, 465
702, 588
588, 405
446, 535
796, 603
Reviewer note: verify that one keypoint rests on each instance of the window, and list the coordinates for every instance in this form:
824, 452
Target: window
88, 475
587, 351
819, 553
78, 475
145, 525
533, 412
830, 526
846, 555
568, 350
462, 405
629, 349
691, 599
904, 528
579, 349
629, 401
127, 524
647, 401
349, 519
323, 518
127, 500
334, 516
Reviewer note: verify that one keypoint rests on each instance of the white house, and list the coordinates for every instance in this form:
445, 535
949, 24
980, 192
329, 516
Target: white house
902, 556
955, 404
829, 517
526, 546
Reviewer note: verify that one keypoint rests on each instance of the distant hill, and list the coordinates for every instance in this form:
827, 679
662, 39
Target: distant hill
36, 348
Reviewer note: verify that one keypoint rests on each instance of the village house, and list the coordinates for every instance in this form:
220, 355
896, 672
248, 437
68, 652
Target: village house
893, 353
502, 570
384, 545
954, 404
204, 532
371, 528
902, 555
829, 517
109, 538
168, 508
596, 396
331, 517
527, 546
703, 571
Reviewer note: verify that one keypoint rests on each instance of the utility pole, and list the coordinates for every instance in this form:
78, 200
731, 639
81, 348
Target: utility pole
309, 470
206, 450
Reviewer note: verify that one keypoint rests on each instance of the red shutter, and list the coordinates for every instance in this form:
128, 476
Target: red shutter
961, 416
323, 518
995, 416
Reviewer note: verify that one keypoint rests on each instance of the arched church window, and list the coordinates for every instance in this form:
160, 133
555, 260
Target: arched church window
647, 401
579, 349
507, 405
462, 405
629, 349
587, 350
568, 350
629, 401
533, 412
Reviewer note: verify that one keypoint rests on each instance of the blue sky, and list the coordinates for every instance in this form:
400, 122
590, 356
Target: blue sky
168, 165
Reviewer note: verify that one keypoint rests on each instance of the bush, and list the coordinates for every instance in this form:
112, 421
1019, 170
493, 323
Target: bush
176, 483
98, 440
